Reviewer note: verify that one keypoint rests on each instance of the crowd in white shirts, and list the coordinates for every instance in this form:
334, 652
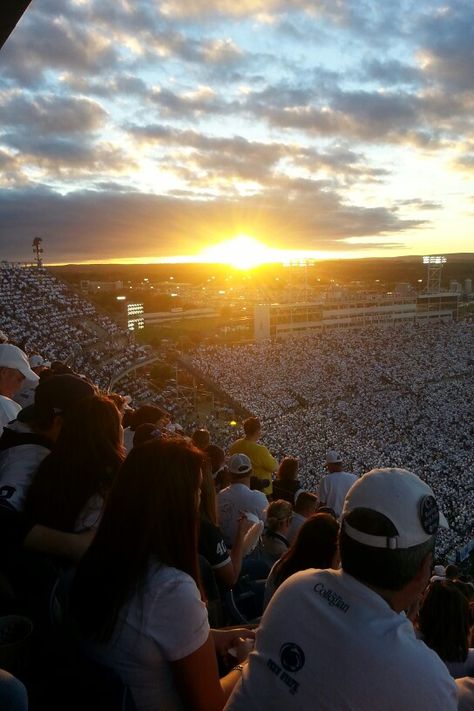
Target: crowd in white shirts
398, 395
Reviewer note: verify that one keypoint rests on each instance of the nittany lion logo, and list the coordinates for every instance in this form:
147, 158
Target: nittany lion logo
292, 657
429, 514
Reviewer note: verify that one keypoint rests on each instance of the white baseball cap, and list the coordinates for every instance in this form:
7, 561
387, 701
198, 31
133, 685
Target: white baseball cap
333, 457
240, 464
13, 357
401, 496
36, 361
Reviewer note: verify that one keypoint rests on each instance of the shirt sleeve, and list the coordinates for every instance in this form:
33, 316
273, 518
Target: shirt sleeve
267, 462
179, 622
212, 546
322, 491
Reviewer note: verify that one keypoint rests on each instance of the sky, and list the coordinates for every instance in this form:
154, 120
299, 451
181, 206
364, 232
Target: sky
139, 129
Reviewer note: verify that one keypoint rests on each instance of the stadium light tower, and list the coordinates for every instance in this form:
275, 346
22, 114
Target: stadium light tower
38, 251
434, 265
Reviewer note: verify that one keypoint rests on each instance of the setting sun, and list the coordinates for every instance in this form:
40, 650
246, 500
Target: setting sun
242, 252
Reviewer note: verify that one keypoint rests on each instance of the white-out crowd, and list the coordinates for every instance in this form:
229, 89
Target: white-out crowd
395, 395
43, 315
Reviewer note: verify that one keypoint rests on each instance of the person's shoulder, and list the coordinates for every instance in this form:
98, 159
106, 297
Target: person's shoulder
236, 446
258, 496
224, 494
465, 688
351, 475
167, 575
207, 528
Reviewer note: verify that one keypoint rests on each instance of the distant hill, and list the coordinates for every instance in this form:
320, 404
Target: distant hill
388, 270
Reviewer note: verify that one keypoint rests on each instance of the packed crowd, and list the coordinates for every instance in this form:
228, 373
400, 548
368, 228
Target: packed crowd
392, 396
45, 316
136, 547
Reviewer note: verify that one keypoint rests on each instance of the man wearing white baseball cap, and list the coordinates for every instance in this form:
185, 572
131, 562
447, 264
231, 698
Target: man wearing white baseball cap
26, 395
239, 498
339, 639
334, 486
14, 369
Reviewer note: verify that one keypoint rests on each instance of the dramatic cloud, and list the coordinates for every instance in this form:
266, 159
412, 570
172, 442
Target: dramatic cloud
72, 222
150, 127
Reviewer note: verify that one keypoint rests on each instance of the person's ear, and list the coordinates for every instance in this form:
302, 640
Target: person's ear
424, 571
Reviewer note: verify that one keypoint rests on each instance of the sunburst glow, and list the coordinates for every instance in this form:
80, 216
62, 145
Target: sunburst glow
242, 251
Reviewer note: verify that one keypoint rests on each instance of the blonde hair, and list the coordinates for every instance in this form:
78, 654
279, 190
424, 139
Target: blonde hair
277, 512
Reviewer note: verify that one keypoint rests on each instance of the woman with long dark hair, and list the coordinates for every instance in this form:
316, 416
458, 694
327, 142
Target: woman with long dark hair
445, 622
72, 482
286, 483
314, 547
136, 598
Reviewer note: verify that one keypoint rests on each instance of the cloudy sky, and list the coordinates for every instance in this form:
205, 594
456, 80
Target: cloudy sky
141, 129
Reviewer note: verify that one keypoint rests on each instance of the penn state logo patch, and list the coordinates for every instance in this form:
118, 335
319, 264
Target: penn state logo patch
429, 514
292, 657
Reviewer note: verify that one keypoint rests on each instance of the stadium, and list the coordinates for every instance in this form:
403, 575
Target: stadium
385, 382
383, 392
236, 415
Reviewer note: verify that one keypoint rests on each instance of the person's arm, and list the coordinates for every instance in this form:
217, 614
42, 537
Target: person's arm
229, 574
197, 679
58, 543
267, 462
322, 493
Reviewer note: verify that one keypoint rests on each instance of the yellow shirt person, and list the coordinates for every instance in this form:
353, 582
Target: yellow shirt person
263, 464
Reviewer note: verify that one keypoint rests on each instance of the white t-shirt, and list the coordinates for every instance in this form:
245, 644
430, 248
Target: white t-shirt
296, 522
165, 623
327, 642
233, 500
8, 411
18, 465
333, 489
91, 514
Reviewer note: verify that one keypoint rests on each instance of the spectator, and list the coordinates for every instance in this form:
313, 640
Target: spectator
263, 463
219, 469
445, 622
72, 482
26, 395
29, 439
334, 486
389, 522
201, 439
315, 546
144, 433
452, 572
238, 498
305, 506
14, 369
286, 483
211, 544
149, 414
275, 541
136, 597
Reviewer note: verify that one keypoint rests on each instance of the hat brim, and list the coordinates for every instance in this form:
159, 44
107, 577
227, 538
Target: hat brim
443, 523
29, 374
